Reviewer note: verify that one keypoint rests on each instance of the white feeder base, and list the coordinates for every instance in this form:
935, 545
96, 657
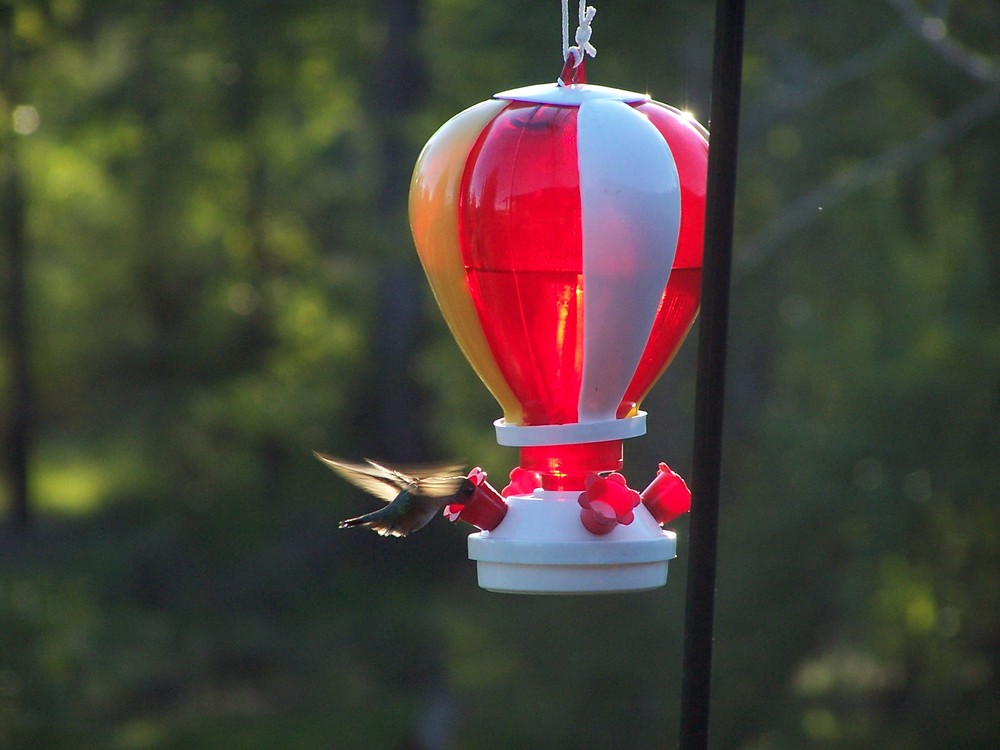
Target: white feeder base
541, 547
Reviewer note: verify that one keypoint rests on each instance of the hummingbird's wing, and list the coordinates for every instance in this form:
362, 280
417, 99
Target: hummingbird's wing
440, 486
415, 472
431, 480
380, 482
386, 482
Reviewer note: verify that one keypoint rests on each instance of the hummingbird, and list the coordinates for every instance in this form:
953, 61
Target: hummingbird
415, 493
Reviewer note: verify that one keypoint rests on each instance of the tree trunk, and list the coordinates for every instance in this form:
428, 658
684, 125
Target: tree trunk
397, 90
17, 429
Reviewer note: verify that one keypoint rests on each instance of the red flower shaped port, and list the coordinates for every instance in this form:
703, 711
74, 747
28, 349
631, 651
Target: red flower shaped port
667, 496
606, 503
485, 509
522, 482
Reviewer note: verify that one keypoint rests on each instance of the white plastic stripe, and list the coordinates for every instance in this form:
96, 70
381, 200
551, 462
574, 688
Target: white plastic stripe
630, 205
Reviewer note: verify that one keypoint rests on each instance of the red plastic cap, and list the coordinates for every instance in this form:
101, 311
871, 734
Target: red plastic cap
573, 74
667, 496
606, 503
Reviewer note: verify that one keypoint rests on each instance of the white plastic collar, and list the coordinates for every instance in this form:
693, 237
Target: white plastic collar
570, 434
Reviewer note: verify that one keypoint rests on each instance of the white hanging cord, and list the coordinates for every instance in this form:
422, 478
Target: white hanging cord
565, 29
584, 31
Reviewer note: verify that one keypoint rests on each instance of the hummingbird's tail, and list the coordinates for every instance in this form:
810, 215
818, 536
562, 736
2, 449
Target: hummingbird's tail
383, 526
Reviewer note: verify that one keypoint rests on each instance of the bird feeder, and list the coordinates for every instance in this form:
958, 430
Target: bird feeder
560, 227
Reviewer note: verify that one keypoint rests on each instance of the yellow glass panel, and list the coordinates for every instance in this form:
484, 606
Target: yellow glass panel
434, 196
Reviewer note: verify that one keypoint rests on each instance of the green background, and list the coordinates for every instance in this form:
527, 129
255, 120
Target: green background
207, 202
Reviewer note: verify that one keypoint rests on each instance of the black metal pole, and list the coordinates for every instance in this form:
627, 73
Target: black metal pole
727, 68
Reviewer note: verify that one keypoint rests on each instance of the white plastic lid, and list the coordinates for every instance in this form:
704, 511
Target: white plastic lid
570, 96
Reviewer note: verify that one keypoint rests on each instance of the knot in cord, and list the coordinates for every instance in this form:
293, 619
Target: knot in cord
583, 33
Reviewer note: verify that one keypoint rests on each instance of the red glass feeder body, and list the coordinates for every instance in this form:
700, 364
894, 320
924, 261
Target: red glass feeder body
566, 467
571, 271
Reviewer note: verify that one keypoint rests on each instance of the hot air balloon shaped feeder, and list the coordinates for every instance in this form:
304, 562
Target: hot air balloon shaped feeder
560, 227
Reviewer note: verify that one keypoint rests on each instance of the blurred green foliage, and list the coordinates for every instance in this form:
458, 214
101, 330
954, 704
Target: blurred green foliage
215, 209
